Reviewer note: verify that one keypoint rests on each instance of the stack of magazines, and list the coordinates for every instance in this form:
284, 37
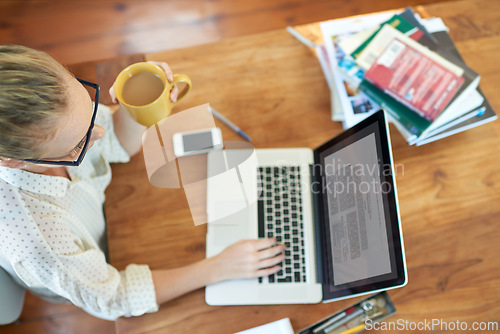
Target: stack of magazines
407, 66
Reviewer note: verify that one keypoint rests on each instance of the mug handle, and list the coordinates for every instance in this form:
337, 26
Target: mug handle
185, 79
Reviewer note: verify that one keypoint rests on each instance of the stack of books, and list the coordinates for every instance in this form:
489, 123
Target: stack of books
407, 66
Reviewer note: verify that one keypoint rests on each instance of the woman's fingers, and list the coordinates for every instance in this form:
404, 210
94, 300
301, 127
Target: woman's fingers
250, 258
270, 252
269, 258
268, 271
267, 263
112, 93
174, 93
166, 68
264, 243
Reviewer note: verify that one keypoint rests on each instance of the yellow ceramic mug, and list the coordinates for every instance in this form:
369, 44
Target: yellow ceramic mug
144, 91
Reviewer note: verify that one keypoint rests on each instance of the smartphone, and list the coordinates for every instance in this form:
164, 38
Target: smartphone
197, 142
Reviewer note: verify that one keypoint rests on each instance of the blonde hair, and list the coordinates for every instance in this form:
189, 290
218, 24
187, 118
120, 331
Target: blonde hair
32, 96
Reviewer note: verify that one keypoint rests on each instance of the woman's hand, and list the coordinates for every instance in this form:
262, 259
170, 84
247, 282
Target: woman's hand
174, 92
247, 259
244, 259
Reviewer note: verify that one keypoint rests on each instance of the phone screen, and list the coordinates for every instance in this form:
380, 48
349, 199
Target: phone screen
197, 141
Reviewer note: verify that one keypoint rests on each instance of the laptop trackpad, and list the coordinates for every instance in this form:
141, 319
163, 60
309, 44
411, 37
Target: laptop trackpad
243, 216
283, 293
223, 236
228, 230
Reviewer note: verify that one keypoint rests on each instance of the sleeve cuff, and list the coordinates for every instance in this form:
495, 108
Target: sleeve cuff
140, 290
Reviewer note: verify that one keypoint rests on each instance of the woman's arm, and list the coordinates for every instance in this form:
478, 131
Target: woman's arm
128, 131
244, 259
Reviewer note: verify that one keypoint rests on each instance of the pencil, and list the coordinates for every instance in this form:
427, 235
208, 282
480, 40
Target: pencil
354, 329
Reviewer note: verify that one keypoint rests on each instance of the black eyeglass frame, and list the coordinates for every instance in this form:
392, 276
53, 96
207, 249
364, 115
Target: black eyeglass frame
79, 160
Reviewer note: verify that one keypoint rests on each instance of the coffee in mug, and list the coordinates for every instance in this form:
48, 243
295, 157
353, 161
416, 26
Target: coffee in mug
142, 88
144, 91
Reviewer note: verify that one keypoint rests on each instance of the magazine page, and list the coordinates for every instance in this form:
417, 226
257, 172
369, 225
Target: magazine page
354, 105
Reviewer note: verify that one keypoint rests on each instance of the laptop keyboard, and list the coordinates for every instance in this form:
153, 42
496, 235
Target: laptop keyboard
280, 216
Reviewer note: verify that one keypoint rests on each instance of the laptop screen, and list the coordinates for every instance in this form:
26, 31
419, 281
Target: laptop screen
361, 246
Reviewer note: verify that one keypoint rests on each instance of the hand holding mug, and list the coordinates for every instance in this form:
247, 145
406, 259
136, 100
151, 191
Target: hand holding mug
170, 77
148, 92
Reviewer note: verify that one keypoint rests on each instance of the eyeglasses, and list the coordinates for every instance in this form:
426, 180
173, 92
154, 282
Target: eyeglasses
78, 161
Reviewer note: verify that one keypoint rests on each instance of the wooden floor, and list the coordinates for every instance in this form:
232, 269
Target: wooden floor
77, 31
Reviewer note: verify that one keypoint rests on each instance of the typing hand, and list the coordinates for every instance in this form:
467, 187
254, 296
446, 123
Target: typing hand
249, 258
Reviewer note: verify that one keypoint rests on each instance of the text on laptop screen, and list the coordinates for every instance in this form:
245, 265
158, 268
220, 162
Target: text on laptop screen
358, 220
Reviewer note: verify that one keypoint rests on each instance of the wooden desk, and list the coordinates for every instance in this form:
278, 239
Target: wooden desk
273, 88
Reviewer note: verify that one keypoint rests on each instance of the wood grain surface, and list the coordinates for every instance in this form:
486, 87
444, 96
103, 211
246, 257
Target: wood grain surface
81, 30
273, 88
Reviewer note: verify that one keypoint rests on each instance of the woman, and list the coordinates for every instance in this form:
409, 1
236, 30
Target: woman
52, 228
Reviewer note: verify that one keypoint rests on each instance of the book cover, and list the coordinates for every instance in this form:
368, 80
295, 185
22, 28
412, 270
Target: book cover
352, 45
348, 103
451, 62
476, 116
427, 39
414, 78
349, 36
415, 130
470, 113
397, 22
446, 48
385, 36
407, 118
479, 116
472, 103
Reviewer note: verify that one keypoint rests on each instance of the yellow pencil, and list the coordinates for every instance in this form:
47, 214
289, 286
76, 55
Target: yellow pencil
354, 329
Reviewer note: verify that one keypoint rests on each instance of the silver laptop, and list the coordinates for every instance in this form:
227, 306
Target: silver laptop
334, 207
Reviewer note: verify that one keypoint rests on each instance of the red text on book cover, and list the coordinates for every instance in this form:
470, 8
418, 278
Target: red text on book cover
414, 79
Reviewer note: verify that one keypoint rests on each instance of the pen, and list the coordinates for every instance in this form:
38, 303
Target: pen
345, 320
366, 307
301, 38
228, 123
333, 320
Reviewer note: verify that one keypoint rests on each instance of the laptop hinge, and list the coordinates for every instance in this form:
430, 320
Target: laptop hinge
315, 171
